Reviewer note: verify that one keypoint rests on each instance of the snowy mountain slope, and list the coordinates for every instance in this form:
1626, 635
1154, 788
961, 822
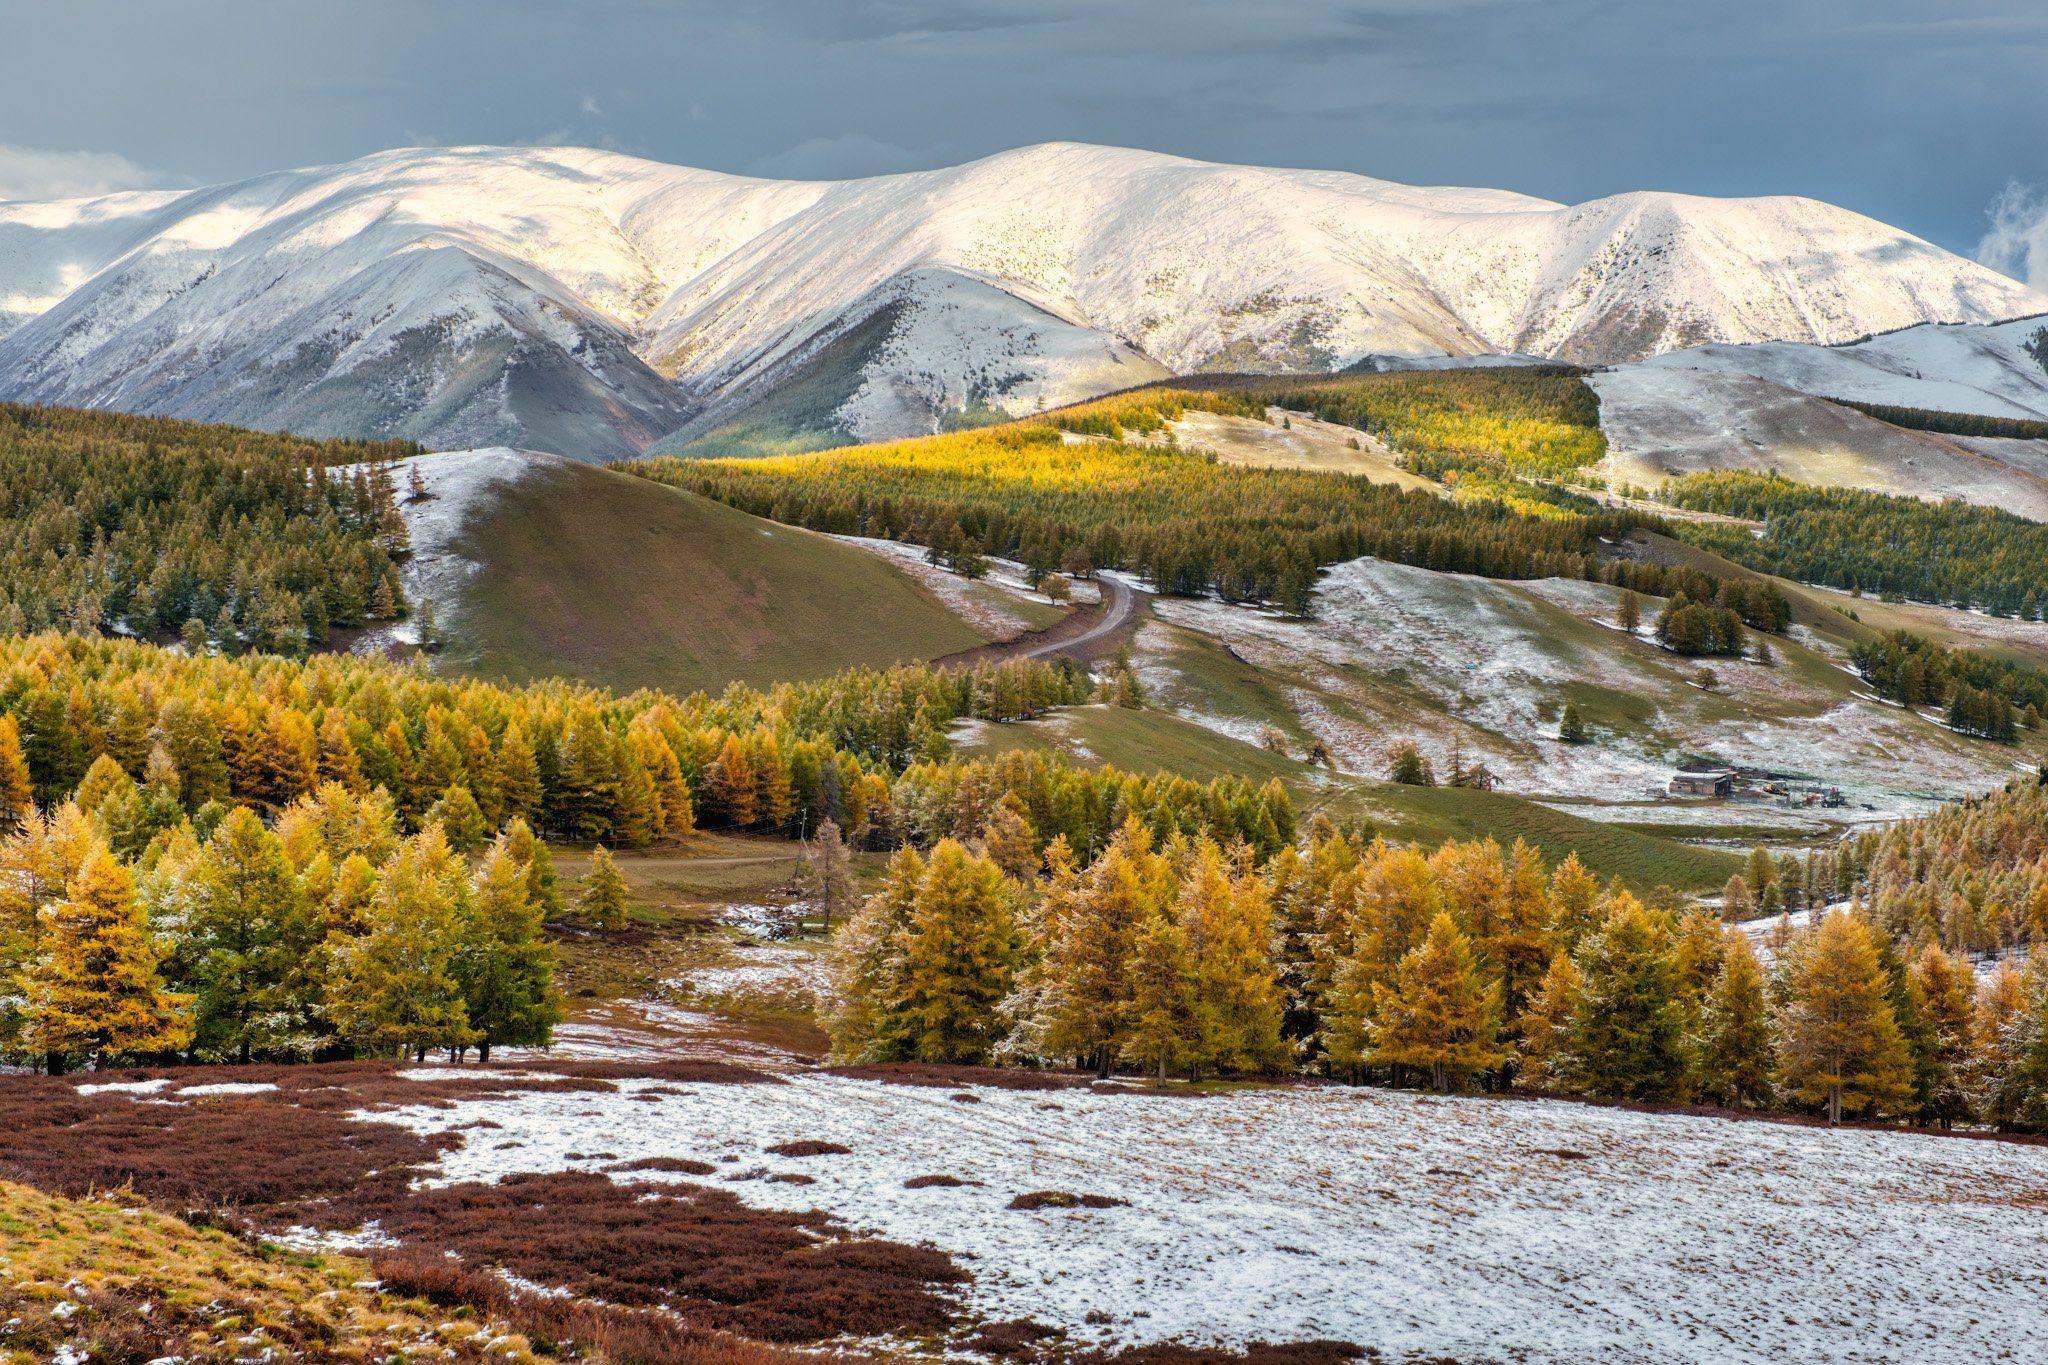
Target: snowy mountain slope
1997, 370
587, 302
1661, 421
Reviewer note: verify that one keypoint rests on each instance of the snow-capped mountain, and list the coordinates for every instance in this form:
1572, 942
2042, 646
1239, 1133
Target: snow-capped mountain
587, 302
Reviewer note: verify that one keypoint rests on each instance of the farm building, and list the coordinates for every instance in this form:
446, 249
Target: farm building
1705, 782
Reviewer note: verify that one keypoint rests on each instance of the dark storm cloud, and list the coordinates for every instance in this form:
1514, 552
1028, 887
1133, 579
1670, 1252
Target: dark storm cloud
1914, 113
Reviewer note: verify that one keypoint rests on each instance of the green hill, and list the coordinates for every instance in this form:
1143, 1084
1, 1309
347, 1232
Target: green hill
600, 576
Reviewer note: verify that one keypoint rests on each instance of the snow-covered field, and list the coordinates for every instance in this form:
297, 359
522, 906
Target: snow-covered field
1494, 658
1484, 1230
458, 483
989, 604
1661, 421
1997, 369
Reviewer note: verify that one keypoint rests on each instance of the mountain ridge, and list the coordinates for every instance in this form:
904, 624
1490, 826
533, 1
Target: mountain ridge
590, 302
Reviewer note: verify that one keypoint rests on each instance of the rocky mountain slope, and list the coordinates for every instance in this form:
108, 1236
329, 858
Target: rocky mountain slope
589, 303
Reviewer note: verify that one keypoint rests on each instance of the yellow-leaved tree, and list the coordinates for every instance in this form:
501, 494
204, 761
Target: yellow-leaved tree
1438, 1014
1838, 1039
96, 988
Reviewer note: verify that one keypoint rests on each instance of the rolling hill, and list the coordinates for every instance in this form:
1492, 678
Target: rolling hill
591, 304
540, 566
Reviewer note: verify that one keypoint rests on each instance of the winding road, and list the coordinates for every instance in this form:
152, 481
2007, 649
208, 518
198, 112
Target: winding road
1120, 604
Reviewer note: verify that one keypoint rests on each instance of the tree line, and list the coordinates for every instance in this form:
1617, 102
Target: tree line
1473, 965
1987, 697
223, 857
1946, 552
1534, 421
1189, 523
152, 526
1951, 423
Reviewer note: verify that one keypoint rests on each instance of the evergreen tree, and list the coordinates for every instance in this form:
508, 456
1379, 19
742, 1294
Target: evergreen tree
17, 792
95, 987
1734, 1047
393, 988
1438, 1014
1629, 615
601, 897
1163, 997
1544, 1057
1839, 1040
1945, 1046
1224, 921
505, 969
1572, 730
959, 960
867, 963
248, 947
1627, 1035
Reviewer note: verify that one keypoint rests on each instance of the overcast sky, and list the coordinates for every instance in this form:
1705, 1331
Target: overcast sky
1918, 113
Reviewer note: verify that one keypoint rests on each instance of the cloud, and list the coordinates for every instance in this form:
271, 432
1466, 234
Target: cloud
26, 173
2018, 240
846, 157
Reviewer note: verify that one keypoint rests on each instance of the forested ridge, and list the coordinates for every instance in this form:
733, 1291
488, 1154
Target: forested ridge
1187, 522
1541, 421
144, 523
1951, 552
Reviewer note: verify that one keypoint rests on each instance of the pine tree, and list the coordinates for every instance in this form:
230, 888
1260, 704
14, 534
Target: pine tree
1224, 921
1838, 1039
249, 941
1438, 1014
96, 987
1945, 1046
959, 960
1163, 997
1733, 1055
1544, 1056
1087, 960
1628, 1033
601, 897
393, 988
1008, 841
505, 969
1572, 730
17, 792
867, 963
1629, 615
1737, 904
460, 820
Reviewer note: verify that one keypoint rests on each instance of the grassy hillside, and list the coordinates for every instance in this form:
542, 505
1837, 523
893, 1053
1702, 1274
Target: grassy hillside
604, 577
109, 1279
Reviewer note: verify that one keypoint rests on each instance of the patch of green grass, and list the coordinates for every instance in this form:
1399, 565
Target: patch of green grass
619, 581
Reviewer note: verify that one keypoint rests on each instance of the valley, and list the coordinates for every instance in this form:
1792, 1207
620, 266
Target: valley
1081, 758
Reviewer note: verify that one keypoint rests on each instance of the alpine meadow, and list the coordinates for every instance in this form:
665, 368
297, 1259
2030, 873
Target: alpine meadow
741, 688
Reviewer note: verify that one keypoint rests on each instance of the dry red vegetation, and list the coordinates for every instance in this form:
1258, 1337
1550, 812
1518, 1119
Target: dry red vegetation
766, 1274
676, 1165
933, 1182
810, 1147
563, 1326
1060, 1199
